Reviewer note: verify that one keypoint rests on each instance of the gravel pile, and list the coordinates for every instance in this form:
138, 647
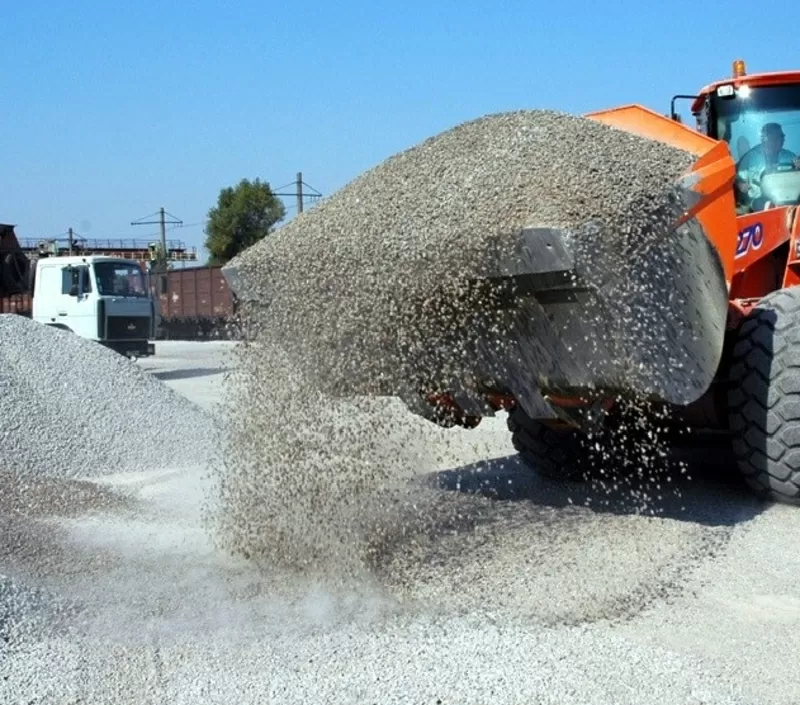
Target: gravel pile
72, 408
360, 295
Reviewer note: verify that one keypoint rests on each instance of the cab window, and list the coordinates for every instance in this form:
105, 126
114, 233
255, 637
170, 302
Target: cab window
77, 277
762, 128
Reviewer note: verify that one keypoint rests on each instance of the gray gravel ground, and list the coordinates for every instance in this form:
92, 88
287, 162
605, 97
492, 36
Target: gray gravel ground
539, 599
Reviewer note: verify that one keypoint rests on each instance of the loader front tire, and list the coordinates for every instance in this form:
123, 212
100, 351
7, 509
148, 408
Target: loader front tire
764, 397
551, 453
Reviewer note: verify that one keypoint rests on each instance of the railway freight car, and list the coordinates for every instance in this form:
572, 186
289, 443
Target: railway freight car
197, 305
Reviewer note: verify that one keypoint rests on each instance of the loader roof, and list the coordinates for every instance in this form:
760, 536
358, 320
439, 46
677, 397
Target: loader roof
771, 78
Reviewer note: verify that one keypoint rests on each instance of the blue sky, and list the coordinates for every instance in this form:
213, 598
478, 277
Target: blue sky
111, 110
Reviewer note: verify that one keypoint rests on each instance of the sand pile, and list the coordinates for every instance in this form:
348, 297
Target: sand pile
72, 408
337, 298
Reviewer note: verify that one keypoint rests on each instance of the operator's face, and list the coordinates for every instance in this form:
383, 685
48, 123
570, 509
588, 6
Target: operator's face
773, 143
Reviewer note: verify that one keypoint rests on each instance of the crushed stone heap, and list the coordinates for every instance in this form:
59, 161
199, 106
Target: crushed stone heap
73, 408
342, 286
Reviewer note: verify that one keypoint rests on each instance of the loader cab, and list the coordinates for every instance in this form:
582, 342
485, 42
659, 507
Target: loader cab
759, 117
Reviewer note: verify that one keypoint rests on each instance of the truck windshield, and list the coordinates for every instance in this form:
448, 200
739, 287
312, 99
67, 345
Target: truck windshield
762, 127
120, 279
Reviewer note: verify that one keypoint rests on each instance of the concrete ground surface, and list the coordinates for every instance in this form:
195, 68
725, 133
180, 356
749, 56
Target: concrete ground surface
550, 594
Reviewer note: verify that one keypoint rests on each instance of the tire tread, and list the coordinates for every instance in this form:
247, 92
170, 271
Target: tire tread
764, 398
557, 455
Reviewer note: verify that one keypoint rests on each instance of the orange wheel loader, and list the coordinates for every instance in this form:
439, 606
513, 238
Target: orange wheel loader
725, 303
694, 316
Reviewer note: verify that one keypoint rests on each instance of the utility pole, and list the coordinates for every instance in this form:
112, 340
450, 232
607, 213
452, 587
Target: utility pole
162, 225
298, 192
70, 241
161, 263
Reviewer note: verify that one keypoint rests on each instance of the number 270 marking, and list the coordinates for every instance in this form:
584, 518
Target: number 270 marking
748, 239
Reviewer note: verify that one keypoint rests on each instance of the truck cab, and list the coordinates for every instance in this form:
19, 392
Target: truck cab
105, 299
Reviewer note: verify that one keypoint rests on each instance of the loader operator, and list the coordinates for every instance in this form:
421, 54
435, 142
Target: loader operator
765, 158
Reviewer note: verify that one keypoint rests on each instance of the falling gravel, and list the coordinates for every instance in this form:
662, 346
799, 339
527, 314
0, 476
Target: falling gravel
368, 295
369, 292
73, 408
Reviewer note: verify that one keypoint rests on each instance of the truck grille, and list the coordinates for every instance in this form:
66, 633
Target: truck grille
128, 328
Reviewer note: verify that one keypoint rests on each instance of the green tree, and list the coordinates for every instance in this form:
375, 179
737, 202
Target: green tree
244, 214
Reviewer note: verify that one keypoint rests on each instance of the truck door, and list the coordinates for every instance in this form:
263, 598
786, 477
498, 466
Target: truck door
63, 298
77, 306
47, 294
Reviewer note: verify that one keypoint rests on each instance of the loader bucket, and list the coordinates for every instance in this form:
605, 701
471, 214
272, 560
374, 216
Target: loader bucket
590, 315
601, 308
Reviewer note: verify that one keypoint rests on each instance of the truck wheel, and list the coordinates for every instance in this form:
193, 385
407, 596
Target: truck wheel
764, 397
558, 455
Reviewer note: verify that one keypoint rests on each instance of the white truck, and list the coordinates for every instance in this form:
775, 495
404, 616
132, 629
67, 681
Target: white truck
105, 299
